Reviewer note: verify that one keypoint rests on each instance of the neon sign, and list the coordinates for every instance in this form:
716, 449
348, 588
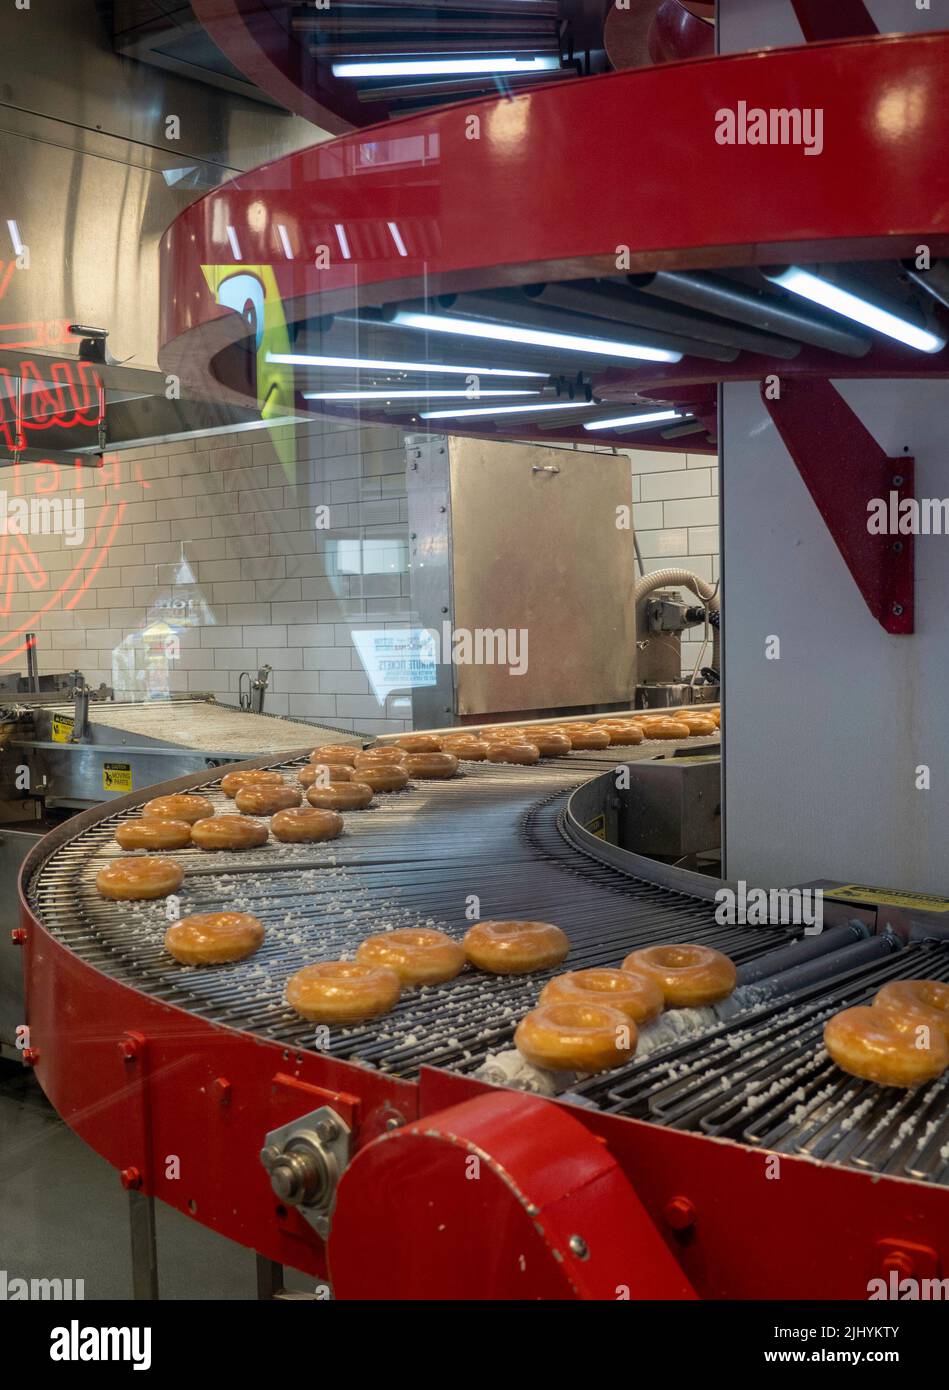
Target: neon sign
48, 395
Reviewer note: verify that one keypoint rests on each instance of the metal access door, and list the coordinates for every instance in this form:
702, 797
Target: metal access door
535, 542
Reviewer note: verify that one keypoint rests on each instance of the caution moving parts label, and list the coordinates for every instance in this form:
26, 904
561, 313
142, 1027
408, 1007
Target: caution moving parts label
116, 777
858, 892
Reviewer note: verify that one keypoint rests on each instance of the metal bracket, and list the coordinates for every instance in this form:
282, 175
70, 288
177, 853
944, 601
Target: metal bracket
843, 468
305, 1160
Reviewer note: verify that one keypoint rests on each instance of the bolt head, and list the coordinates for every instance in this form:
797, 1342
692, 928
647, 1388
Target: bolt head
679, 1213
131, 1179
128, 1049
30, 1056
18, 936
897, 610
579, 1247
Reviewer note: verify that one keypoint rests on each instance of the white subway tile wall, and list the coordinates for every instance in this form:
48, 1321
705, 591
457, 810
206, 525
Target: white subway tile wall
205, 558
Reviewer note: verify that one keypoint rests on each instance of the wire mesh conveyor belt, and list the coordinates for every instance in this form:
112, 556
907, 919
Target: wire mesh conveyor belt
416, 857
764, 1078
421, 857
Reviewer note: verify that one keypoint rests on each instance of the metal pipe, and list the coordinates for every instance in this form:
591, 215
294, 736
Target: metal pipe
813, 972
808, 948
713, 294
516, 310
623, 305
32, 665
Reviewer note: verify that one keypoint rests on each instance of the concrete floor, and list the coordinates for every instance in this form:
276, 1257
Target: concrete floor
63, 1214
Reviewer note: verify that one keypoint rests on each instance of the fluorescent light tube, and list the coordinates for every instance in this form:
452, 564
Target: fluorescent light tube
380, 364
619, 421
504, 410
851, 306
436, 67
531, 337
420, 394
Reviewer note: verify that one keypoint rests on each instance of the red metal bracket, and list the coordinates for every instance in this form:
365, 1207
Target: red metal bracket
844, 468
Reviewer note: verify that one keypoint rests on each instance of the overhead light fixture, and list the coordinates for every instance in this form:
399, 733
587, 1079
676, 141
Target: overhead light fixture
531, 337
504, 410
420, 394
234, 244
852, 306
397, 238
379, 364
436, 67
343, 240
651, 417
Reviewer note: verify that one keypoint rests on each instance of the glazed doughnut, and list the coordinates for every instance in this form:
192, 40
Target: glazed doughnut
431, 765
503, 752
467, 750
344, 796
637, 996
182, 806
623, 735
697, 723
153, 834
133, 880
668, 728
339, 753
418, 743
229, 832
589, 738
924, 1001
515, 948
260, 799
576, 1036
384, 779
212, 938
342, 991
324, 774
689, 976
232, 782
306, 825
381, 754
418, 955
880, 1045
550, 744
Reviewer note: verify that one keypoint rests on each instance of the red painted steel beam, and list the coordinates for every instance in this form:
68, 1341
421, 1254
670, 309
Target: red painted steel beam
843, 468
842, 19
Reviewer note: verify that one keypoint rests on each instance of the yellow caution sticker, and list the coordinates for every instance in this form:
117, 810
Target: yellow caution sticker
597, 827
858, 892
116, 777
63, 725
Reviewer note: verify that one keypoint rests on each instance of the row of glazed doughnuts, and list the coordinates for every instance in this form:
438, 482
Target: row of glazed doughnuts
512, 743
337, 778
339, 991
901, 1039
589, 1020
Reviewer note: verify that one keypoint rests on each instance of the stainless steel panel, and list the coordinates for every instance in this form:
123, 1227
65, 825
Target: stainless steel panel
673, 807
536, 547
428, 493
